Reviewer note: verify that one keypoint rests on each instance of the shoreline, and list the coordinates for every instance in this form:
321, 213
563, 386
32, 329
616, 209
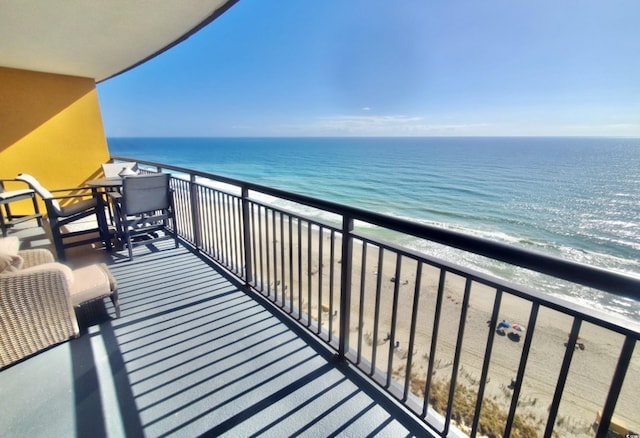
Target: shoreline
581, 295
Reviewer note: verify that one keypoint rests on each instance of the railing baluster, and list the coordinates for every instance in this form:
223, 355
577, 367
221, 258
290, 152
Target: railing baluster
267, 251
376, 316
434, 341
562, 378
211, 221
274, 242
227, 231
523, 363
291, 264
254, 233
363, 277
487, 360
345, 286
320, 259
204, 218
456, 356
246, 229
282, 261
394, 318
195, 211
213, 237
616, 385
412, 330
231, 232
332, 259
233, 235
237, 235
220, 226
260, 240
299, 269
185, 197
216, 224
309, 279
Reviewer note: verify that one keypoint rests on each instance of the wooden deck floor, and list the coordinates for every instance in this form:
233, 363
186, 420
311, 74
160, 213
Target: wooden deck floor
192, 354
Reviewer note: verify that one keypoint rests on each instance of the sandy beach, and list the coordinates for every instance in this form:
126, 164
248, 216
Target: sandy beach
591, 369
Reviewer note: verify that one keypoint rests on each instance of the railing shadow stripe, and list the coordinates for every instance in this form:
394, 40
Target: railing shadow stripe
229, 400
172, 297
185, 350
193, 384
322, 415
361, 414
264, 404
307, 402
218, 359
149, 291
201, 323
205, 311
142, 320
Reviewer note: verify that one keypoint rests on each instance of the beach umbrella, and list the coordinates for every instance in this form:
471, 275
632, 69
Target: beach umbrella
504, 324
517, 327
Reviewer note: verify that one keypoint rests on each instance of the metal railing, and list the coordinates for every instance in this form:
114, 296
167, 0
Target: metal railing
347, 287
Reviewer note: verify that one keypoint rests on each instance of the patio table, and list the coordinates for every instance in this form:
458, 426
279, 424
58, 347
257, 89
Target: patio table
98, 187
105, 183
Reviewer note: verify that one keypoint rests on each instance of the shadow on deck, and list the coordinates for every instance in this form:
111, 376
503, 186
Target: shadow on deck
192, 354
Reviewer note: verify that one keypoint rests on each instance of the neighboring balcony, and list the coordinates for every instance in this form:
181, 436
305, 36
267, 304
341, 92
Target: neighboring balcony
268, 322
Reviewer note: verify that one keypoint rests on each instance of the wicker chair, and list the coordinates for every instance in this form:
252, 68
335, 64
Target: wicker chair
37, 302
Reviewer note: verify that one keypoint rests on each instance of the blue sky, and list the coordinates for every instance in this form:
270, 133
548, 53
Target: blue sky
387, 68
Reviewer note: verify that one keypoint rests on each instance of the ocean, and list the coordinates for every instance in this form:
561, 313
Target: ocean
575, 198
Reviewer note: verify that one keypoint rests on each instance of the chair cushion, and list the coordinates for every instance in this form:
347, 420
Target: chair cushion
77, 207
4, 196
10, 262
68, 273
113, 284
43, 192
90, 282
9, 245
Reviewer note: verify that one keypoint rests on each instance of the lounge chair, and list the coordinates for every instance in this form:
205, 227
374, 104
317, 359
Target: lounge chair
7, 218
77, 207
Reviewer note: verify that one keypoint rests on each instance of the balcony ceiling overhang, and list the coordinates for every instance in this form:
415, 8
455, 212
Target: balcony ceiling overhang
96, 38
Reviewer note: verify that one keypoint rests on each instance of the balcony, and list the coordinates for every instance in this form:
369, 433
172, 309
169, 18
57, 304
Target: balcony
268, 322
193, 353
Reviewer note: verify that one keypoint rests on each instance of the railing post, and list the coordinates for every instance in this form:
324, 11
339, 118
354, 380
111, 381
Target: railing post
195, 211
616, 386
246, 237
345, 286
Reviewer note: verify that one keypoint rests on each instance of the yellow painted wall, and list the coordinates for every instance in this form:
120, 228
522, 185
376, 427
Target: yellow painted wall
50, 127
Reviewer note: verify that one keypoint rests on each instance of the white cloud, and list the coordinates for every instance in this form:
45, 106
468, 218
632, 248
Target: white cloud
391, 125
605, 129
417, 126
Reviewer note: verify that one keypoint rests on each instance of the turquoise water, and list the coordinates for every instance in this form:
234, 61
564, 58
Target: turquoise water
577, 198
